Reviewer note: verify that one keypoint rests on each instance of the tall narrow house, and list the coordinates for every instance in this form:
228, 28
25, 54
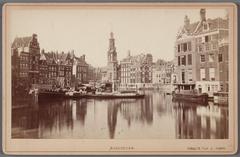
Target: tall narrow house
25, 61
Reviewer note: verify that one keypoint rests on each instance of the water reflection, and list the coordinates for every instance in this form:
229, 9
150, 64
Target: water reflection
200, 122
155, 116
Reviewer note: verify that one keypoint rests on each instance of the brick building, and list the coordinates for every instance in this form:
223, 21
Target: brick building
162, 72
201, 56
25, 68
136, 71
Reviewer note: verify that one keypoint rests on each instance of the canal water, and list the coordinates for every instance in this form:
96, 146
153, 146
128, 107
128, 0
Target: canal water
154, 117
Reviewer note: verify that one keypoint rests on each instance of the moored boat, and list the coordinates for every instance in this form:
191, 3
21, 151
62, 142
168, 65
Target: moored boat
51, 94
220, 98
107, 95
186, 92
116, 95
191, 97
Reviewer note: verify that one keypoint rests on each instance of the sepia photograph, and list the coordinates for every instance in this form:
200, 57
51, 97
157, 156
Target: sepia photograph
124, 73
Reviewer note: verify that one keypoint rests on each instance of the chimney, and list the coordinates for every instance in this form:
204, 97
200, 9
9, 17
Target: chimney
34, 36
186, 21
111, 35
203, 14
83, 57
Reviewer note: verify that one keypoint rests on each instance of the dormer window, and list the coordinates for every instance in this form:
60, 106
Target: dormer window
205, 26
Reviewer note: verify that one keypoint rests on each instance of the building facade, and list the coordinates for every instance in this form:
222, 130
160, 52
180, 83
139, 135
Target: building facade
162, 72
136, 71
201, 55
25, 68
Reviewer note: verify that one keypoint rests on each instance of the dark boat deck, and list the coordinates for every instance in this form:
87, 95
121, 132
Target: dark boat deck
62, 95
191, 97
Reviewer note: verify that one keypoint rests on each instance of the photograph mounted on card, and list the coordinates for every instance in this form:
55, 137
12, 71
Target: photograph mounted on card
119, 78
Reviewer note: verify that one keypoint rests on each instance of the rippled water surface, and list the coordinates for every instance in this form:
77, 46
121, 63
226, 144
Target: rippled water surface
155, 116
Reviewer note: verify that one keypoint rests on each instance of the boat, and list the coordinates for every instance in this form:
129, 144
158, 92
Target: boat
220, 98
116, 95
105, 95
191, 97
51, 94
185, 92
75, 94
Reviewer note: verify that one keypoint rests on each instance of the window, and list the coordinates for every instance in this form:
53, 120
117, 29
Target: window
202, 74
200, 48
211, 57
190, 74
207, 47
208, 87
179, 48
184, 60
220, 57
185, 47
214, 37
202, 58
214, 46
206, 38
205, 26
179, 62
212, 74
189, 45
199, 40
190, 59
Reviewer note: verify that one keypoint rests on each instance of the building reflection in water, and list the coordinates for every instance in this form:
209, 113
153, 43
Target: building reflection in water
200, 122
137, 110
55, 117
155, 116
25, 122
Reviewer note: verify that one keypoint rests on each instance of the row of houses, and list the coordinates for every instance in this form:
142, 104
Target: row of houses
200, 63
135, 71
30, 67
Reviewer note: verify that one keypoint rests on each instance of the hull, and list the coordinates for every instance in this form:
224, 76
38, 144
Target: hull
57, 95
115, 96
220, 98
46, 96
203, 98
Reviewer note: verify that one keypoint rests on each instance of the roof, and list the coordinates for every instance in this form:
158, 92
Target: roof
138, 59
197, 27
42, 56
21, 42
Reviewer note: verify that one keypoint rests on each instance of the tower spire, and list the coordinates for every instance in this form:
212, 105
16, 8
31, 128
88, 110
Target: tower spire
112, 54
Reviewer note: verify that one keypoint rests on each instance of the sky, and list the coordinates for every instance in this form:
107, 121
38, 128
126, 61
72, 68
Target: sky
87, 31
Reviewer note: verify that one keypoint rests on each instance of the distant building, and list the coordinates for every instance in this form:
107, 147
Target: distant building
162, 72
109, 73
82, 70
56, 69
136, 71
43, 69
201, 55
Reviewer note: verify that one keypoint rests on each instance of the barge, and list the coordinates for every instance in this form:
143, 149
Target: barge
220, 98
186, 92
47, 95
117, 95
199, 98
